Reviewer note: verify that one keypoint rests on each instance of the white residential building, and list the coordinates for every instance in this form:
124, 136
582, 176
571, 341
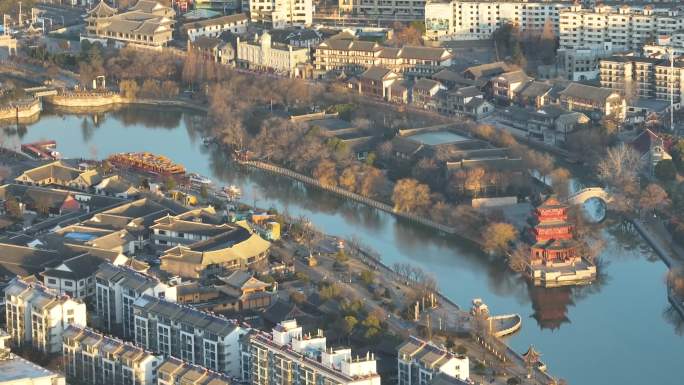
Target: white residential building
419, 361
92, 358
194, 336
281, 13
304, 358
477, 20
388, 10
615, 29
37, 316
116, 288
215, 27
15, 370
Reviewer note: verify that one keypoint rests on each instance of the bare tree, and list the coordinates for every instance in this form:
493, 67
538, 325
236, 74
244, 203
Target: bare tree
619, 167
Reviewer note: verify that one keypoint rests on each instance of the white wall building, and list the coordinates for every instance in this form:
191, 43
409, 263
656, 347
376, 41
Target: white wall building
615, 29
215, 27
92, 358
419, 361
281, 13
288, 353
194, 336
475, 20
37, 316
397, 10
116, 288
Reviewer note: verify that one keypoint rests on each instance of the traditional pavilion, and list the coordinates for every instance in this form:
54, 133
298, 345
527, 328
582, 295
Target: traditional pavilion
554, 241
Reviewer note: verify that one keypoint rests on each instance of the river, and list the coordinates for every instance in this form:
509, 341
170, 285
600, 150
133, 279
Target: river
620, 330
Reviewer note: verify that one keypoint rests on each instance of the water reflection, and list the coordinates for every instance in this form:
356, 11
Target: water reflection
672, 317
588, 321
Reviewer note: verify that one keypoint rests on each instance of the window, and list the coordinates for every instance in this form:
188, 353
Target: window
69, 283
51, 281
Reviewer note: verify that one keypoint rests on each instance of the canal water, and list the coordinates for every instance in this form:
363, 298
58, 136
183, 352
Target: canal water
620, 330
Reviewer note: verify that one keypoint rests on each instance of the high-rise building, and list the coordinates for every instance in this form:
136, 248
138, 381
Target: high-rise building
418, 361
288, 353
116, 288
37, 316
476, 20
92, 358
194, 336
386, 10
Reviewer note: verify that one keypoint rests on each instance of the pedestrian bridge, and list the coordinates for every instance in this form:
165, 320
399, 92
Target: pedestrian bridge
583, 195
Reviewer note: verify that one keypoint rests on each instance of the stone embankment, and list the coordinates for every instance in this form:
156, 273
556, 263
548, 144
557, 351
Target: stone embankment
86, 99
347, 194
20, 110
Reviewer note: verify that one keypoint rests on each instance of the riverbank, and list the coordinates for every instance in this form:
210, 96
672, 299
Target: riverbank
23, 111
661, 241
358, 198
90, 100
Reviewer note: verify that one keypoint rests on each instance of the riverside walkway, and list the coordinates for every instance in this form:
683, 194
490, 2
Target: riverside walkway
660, 239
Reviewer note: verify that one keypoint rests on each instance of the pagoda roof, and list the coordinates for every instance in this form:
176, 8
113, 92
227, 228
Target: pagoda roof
556, 244
531, 356
552, 203
102, 9
546, 224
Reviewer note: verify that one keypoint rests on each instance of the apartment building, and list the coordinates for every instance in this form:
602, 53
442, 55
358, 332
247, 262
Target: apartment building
146, 24
615, 29
15, 370
669, 80
665, 46
394, 10
92, 358
465, 101
344, 53
477, 20
419, 361
643, 77
194, 336
176, 372
116, 288
215, 27
37, 316
281, 14
288, 353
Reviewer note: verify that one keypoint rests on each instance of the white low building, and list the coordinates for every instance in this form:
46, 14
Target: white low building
419, 361
267, 358
281, 14
215, 27
15, 370
263, 54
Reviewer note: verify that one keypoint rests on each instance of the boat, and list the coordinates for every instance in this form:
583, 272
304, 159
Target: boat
197, 180
147, 162
44, 150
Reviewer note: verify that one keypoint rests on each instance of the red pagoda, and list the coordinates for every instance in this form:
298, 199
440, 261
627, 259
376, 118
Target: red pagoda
554, 241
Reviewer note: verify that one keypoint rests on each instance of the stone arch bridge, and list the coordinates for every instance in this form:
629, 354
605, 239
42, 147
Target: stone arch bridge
585, 194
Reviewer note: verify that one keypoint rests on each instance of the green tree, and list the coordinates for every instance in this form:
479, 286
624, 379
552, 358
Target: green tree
665, 170
13, 207
204, 192
348, 324
169, 184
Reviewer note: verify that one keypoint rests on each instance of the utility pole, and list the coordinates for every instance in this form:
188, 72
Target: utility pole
671, 81
21, 19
